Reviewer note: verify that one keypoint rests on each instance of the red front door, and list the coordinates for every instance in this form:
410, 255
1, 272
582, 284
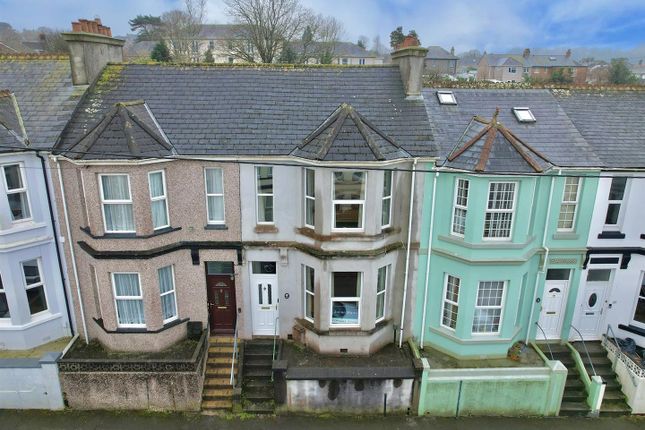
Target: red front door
221, 303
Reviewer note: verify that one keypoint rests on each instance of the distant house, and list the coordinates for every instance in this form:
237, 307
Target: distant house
441, 61
638, 70
514, 67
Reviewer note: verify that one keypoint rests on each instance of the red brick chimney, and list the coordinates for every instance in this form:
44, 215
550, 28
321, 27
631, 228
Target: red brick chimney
91, 26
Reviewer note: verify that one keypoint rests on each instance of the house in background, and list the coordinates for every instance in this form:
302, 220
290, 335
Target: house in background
514, 67
638, 70
440, 61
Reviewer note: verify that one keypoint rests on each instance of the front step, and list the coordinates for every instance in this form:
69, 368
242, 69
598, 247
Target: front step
217, 395
257, 386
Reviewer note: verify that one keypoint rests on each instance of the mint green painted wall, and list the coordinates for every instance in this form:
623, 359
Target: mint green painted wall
517, 261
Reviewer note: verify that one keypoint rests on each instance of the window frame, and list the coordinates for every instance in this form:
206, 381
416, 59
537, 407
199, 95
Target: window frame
500, 307
4, 291
385, 197
163, 197
493, 211
520, 111
445, 300
208, 215
638, 298
117, 297
446, 98
308, 198
456, 206
386, 284
573, 203
361, 61
24, 189
512, 69
38, 284
335, 202
333, 299
116, 202
258, 195
621, 202
173, 292
307, 292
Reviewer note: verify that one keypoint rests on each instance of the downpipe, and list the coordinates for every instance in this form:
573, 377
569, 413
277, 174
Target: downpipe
407, 252
425, 287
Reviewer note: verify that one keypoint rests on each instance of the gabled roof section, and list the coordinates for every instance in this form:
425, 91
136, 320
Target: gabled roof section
12, 131
348, 135
128, 130
488, 146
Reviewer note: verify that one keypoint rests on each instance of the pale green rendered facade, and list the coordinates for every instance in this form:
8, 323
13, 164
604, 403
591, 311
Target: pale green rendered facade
518, 261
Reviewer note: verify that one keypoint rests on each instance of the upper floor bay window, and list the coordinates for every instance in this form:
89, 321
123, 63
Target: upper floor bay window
167, 293
488, 307
116, 200
615, 201
498, 223
567, 217
264, 192
450, 306
386, 206
310, 198
128, 300
214, 195
460, 207
382, 281
309, 292
36, 297
4, 305
16, 189
158, 199
639, 310
349, 200
346, 298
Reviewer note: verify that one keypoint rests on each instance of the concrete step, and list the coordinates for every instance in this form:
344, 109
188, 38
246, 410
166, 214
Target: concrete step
260, 408
258, 361
217, 405
214, 382
574, 396
217, 393
574, 409
220, 361
221, 339
614, 408
257, 372
218, 372
260, 393
219, 349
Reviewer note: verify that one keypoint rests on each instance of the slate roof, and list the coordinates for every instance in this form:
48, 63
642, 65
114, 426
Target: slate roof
613, 122
488, 146
349, 49
219, 31
438, 53
44, 93
132, 123
533, 60
552, 134
244, 110
347, 135
12, 134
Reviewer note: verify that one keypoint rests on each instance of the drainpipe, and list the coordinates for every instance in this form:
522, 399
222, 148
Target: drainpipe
546, 256
71, 249
57, 243
425, 287
407, 252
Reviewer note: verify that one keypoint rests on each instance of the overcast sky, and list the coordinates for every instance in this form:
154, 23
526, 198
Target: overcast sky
493, 25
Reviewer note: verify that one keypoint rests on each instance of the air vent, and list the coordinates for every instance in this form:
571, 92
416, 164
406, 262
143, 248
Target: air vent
446, 98
523, 114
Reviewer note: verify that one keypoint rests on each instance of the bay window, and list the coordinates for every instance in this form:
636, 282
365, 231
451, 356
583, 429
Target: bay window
348, 200
214, 195
116, 200
128, 300
16, 189
309, 292
264, 192
460, 207
310, 198
4, 305
488, 307
346, 298
498, 223
568, 208
381, 292
158, 199
36, 297
450, 306
386, 201
167, 293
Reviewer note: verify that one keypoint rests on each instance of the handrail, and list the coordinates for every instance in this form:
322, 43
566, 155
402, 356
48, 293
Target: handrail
275, 336
545, 338
613, 337
584, 345
234, 355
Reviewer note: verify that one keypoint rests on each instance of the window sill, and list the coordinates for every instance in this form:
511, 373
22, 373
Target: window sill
611, 235
565, 235
265, 228
632, 329
159, 232
342, 331
215, 227
176, 322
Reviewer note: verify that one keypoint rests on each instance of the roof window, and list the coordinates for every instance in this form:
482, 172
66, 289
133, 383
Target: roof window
523, 114
446, 98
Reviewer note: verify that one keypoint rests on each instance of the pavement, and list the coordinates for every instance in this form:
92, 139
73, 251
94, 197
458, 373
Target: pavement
126, 420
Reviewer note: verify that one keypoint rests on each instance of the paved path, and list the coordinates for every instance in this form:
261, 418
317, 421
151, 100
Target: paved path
23, 420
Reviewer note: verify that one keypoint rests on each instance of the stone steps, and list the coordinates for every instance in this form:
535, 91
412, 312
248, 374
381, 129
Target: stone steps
217, 395
257, 387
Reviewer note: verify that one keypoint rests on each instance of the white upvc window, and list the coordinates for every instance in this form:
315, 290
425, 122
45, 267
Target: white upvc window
512, 70
128, 300
158, 200
34, 285
382, 282
460, 207
346, 299
4, 304
214, 180
348, 200
386, 201
615, 202
308, 278
361, 61
639, 308
498, 223
310, 198
167, 293
16, 189
264, 192
569, 206
450, 305
488, 307
116, 200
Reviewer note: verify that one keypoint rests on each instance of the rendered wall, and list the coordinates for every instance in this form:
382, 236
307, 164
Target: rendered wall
30, 383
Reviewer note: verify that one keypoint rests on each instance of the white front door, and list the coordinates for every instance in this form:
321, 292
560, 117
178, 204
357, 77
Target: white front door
264, 291
592, 303
554, 300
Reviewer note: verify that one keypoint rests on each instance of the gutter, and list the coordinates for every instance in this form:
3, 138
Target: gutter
59, 258
407, 252
71, 249
425, 287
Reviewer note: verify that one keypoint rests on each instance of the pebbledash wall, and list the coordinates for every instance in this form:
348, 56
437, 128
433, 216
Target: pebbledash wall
186, 245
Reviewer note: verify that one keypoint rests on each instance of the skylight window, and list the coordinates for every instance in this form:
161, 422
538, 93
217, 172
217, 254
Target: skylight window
523, 114
446, 98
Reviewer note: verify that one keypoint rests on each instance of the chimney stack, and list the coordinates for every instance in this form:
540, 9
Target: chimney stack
452, 50
411, 58
568, 53
91, 47
526, 53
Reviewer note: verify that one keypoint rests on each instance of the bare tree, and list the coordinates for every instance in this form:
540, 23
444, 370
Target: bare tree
328, 33
266, 26
180, 29
378, 46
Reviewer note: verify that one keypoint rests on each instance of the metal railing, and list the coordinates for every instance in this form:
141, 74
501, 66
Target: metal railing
275, 341
234, 358
546, 339
613, 337
620, 355
584, 345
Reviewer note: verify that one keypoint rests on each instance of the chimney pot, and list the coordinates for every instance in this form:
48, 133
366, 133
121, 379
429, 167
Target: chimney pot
568, 53
97, 20
526, 53
84, 27
76, 27
94, 28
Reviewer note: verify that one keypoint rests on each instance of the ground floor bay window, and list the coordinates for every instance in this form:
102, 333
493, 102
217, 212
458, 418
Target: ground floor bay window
128, 300
346, 298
